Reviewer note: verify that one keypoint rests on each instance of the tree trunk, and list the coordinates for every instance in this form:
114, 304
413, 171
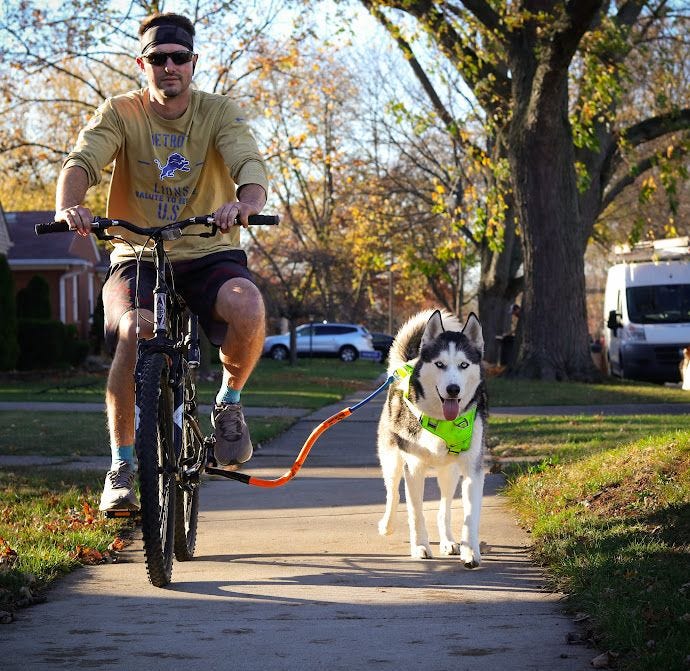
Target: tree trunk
499, 287
553, 343
292, 323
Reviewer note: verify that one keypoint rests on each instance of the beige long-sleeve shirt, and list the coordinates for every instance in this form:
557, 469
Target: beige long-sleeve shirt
167, 170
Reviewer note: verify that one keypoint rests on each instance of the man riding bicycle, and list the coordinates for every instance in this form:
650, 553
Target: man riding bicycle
177, 153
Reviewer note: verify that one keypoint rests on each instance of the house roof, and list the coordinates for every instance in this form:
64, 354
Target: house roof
48, 251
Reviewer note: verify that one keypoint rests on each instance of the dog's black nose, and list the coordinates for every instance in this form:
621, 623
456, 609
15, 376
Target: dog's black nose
452, 390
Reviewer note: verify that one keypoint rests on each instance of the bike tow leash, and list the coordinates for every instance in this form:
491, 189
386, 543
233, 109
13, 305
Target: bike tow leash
309, 443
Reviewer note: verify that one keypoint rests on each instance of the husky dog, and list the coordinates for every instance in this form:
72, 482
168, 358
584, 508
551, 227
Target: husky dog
435, 416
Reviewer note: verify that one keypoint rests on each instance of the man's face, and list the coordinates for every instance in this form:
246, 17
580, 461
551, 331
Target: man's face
168, 79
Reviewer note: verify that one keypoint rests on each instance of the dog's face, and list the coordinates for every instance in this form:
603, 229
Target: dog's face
448, 371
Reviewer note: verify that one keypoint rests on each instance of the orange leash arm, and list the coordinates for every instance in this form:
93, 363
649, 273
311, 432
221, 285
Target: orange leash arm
299, 461
304, 452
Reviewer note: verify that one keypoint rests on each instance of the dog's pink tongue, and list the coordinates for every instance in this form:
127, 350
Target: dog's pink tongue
451, 408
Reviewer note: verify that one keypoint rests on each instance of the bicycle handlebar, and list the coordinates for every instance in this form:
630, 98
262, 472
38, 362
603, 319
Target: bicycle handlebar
102, 224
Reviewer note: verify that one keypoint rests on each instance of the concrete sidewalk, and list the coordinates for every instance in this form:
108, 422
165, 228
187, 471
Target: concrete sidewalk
298, 578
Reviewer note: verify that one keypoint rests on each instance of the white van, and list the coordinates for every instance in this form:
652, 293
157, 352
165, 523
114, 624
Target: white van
647, 311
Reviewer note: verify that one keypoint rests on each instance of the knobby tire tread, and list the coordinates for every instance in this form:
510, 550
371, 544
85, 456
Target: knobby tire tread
155, 403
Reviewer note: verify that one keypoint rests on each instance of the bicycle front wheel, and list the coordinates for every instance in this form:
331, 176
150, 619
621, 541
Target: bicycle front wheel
157, 465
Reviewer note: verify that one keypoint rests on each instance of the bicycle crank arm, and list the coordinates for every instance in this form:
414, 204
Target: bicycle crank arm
232, 475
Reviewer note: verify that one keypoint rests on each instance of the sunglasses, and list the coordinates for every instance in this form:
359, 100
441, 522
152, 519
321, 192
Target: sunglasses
159, 58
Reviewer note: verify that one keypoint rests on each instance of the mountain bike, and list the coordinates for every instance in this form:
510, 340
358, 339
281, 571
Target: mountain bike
172, 451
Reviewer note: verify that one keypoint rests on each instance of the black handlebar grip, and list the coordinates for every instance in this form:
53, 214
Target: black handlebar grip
263, 219
52, 227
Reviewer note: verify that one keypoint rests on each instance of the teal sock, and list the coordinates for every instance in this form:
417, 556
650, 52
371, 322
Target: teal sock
122, 453
228, 395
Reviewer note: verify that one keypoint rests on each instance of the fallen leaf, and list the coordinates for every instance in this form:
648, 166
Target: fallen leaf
86, 555
89, 513
8, 556
119, 544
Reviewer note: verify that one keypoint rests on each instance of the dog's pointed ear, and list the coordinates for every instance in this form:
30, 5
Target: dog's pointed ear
473, 331
433, 329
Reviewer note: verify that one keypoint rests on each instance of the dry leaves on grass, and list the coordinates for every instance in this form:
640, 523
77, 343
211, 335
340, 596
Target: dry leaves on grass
8, 556
91, 556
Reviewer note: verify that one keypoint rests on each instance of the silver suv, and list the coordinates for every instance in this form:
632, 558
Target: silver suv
347, 341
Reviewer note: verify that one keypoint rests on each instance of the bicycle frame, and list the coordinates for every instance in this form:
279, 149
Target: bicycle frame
179, 341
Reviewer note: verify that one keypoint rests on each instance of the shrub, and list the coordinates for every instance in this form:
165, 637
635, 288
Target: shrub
9, 348
47, 343
33, 301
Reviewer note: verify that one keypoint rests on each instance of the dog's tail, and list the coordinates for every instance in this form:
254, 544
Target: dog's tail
405, 347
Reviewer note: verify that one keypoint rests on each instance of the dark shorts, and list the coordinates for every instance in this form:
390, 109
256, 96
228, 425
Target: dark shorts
197, 281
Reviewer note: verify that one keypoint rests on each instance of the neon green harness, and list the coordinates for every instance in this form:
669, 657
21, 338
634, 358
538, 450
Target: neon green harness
456, 433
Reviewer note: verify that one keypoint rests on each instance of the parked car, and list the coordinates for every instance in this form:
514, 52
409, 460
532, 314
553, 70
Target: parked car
382, 343
349, 342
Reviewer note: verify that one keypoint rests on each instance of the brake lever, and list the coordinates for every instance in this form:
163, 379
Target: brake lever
211, 233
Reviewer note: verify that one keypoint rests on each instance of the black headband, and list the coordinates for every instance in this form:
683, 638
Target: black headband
166, 34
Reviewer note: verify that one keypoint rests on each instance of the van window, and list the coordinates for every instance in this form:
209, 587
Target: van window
660, 304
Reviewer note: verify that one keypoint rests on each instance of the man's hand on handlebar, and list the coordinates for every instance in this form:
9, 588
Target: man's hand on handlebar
230, 214
78, 217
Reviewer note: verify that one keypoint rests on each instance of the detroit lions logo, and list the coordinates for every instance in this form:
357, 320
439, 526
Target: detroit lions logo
175, 162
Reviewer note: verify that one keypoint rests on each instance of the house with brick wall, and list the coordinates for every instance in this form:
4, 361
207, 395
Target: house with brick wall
73, 266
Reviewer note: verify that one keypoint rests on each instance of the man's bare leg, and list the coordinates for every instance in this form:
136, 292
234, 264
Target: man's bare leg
119, 392
118, 492
240, 305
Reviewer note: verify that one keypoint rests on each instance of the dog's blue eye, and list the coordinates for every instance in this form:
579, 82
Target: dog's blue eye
464, 365
440, 364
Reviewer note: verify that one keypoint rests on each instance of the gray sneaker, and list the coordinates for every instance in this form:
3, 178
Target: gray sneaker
233, 445
119, 492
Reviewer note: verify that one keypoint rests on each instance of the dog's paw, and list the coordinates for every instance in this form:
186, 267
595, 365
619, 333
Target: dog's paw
385, 527
421, 552
449, 548
470, 558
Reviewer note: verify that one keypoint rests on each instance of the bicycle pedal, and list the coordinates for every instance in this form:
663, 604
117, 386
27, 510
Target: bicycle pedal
210, 456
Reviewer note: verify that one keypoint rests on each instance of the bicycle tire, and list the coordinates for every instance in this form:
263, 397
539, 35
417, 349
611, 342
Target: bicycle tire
187, 496
156, 456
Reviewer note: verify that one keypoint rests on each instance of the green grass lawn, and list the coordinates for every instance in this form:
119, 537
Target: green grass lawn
573, 437
311, 384
613, 530
84, 434
508, 392
317, 382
